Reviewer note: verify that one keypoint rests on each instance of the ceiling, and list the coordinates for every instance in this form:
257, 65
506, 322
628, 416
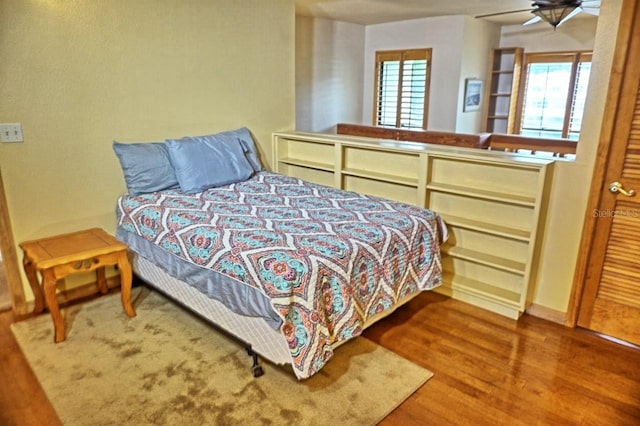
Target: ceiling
367, 12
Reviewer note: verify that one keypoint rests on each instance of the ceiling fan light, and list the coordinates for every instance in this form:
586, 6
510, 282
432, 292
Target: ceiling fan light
556, 15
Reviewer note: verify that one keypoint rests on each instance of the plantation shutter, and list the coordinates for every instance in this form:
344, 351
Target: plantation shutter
579, 96
402, 82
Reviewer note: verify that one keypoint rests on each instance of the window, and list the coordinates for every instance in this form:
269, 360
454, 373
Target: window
402, 88
553, 96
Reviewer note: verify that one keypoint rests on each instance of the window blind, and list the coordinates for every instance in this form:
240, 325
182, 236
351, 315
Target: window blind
402, 82
388, 84
579, 99
554, 94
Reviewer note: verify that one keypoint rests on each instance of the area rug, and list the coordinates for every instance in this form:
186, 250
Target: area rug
166, 366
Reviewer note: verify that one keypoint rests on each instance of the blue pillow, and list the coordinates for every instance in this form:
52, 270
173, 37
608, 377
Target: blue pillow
146, 167
200, 164
244, 136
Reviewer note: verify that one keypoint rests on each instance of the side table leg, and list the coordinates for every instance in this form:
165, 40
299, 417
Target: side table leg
32, 276
49, 282
126, 277
102, 281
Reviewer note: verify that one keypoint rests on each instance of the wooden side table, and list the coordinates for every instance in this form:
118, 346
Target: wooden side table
83, 251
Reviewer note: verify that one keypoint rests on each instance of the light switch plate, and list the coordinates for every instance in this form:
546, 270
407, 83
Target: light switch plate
11, 132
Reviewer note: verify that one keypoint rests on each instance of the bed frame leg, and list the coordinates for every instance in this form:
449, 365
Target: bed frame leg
257, 368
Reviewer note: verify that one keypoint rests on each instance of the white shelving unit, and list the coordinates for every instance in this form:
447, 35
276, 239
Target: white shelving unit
491, 202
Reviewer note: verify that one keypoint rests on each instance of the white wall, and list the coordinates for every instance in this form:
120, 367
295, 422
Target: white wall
479, 38
329, 69
445, 35
332, 58
576, 34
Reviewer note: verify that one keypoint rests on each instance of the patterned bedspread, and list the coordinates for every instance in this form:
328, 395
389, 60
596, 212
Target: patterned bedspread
329, 260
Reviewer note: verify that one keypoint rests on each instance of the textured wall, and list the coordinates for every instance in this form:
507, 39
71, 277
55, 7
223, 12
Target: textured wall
79, 74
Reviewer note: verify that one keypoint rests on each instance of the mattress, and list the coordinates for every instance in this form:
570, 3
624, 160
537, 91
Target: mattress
240, 299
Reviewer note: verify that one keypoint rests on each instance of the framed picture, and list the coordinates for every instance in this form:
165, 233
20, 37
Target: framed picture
472, 94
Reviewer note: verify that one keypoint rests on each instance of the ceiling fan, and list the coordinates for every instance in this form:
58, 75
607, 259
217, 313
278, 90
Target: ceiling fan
555, 12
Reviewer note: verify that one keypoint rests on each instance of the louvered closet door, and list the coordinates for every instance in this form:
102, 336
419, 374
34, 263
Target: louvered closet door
611, 298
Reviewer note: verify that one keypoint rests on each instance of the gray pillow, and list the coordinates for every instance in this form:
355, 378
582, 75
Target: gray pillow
146, 167
244, 136
201, 163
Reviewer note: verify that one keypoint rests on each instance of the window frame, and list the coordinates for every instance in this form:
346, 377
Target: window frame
401, 56
573, 57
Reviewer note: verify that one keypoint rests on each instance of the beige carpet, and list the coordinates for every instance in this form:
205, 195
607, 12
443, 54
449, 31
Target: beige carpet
166, 366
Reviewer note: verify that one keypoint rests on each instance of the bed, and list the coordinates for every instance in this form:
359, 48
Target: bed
291, 268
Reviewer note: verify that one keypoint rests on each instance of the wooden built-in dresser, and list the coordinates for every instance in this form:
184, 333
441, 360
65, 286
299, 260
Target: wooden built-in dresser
492, 202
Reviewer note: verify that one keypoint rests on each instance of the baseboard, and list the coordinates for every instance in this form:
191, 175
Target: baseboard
548, 314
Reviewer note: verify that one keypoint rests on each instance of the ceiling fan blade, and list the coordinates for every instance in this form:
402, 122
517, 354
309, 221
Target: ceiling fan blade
533, 20
591, 10
591, 3
503, 13
573, 13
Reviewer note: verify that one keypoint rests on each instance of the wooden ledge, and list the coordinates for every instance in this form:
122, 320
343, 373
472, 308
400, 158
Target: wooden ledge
494, 141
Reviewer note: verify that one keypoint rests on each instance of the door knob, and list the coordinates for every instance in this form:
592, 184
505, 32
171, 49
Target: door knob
616, 187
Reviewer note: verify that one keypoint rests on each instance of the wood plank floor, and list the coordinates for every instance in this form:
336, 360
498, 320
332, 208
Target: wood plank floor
5, 298
488, 370
22, 400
